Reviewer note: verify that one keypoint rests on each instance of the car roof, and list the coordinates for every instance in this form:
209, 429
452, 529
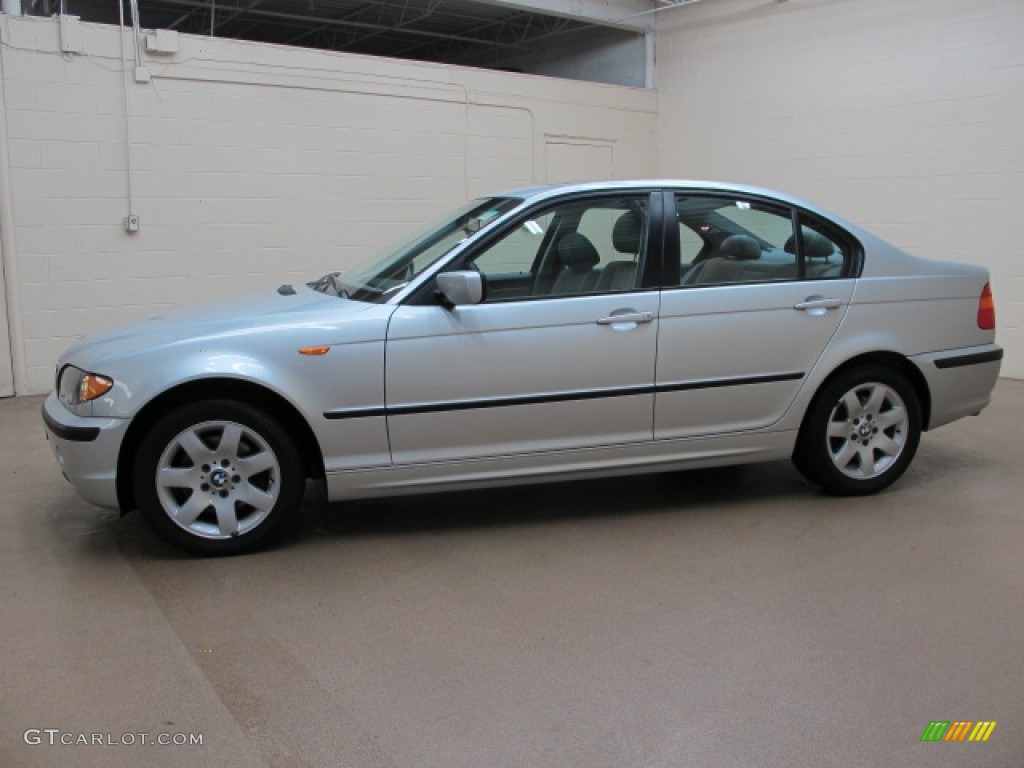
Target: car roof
542, 192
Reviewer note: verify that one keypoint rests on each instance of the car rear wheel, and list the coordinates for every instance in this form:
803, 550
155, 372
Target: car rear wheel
861, 432
218, 477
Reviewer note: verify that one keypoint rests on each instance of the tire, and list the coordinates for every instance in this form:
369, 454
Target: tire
208, 497
861, 432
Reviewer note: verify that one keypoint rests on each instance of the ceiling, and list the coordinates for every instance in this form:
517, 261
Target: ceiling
449, 31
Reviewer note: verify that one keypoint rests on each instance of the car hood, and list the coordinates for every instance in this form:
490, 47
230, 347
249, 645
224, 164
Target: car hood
220, 320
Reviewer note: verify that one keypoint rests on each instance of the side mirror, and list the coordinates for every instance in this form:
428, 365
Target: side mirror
455, 288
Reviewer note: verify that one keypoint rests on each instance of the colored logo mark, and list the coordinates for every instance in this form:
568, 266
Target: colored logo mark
958, 730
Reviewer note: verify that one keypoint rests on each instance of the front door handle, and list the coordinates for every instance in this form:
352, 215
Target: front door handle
818, 305
626, 316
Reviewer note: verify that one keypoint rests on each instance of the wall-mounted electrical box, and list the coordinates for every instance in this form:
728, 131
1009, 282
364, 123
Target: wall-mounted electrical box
70, 34
163, 41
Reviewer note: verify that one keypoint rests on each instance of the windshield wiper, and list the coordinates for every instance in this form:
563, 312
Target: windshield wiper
330, 283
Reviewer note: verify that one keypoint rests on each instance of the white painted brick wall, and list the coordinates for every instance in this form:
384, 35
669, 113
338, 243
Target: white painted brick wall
905, 116
253, 165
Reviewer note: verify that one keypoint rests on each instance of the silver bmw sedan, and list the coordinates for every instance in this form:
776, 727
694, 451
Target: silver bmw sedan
538, 335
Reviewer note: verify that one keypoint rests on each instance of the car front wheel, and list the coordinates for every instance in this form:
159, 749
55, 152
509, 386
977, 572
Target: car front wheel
218, 477
861, 432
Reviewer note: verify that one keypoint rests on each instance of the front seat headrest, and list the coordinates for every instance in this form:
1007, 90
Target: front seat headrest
815, 246
740, 247
578, 253
627, 232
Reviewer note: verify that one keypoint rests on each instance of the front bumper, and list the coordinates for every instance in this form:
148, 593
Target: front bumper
86, 448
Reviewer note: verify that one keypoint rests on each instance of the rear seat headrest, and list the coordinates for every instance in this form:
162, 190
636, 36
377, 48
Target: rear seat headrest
740, 247
815, 246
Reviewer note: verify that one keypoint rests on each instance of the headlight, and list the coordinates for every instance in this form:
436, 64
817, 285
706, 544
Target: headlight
77, 386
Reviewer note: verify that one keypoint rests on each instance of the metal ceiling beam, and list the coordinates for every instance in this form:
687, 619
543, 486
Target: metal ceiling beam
511, 33
633, 15
327, 24
452, 31
400, 22
221, 22
297, 17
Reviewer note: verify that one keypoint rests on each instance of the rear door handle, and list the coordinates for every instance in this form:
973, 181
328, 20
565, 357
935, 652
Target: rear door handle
624, 316
818, 305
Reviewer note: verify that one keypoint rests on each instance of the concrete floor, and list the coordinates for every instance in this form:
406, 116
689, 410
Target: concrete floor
714, 618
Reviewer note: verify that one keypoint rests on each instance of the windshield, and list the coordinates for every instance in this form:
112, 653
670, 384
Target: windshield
386, 273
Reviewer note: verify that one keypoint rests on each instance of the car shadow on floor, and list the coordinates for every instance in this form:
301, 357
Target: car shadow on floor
738, 491
693, 491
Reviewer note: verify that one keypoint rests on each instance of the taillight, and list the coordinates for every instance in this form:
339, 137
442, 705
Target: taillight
986, 309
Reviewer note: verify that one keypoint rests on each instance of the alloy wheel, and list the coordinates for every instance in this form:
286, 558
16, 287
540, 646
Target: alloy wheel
867, 430
218, 479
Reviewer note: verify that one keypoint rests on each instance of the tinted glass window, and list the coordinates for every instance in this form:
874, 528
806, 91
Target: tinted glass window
717, 237
577, 247
517, 251
741, 241
824, 257
690, 244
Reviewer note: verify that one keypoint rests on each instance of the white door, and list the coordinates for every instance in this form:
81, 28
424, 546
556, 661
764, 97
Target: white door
559, 356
